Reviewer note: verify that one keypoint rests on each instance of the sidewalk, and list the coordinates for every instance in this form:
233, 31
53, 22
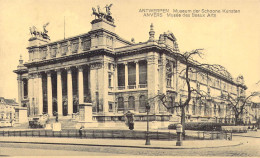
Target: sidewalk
252, 134
155, 144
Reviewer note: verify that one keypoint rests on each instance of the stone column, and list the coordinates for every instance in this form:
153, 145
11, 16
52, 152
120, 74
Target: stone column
40, 95
137, 74
59, 92
30, 94
20, 89
35, 94
49, 93
70, 92
126, 75
80, 85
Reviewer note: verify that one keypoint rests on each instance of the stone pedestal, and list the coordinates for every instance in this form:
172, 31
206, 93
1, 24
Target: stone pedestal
48, 126
85, 116
56, 126
21, 115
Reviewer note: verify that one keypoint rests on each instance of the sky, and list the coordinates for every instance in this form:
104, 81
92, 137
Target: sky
229, 39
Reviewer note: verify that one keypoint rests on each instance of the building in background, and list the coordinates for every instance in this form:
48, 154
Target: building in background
115, 76
7, 112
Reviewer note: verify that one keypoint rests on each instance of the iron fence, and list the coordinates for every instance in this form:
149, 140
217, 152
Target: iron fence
114, 134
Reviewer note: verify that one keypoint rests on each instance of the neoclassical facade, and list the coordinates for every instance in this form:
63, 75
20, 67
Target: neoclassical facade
116, 76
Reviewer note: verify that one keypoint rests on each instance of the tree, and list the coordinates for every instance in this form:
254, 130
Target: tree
238, 104
191, 66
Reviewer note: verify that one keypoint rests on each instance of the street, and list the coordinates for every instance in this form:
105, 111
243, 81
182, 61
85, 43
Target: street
250, 147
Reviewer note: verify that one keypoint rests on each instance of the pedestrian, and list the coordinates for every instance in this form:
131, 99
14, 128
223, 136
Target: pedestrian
80, 132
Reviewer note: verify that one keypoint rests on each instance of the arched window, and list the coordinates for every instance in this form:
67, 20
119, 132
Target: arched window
142, 102
131, 103
121, 104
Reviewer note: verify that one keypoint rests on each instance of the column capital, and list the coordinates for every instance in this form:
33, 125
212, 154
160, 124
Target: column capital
68, 69
48, 73
58, 71
125, 63
39, 75
80, 68
31, 76
19, 77
136, 61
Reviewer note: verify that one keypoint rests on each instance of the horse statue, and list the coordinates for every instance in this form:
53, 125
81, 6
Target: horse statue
34, 32
102, 14
44, 28
108, 7
95, 13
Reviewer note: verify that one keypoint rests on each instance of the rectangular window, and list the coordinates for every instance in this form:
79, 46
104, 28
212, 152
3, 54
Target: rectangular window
109, 80
143, 72
110, 106
131, 74
121, 74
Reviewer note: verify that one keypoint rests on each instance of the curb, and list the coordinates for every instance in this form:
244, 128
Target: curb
123, 146
246, 136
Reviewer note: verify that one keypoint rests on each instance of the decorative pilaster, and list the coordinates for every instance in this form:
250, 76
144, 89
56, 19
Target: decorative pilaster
126, 75
172, 77
59, 92
59, 50
93, 86
152, 78
48, 53
49, 93
163, 74
70, 92
137, 74
104, 89
69, 48
80, 46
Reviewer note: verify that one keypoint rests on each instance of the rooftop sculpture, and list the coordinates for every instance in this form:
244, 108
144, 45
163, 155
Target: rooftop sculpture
99, 14
35, 33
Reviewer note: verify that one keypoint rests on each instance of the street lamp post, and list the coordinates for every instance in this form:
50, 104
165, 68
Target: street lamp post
147, 141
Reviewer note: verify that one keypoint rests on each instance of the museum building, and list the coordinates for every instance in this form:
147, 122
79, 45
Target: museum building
117, 76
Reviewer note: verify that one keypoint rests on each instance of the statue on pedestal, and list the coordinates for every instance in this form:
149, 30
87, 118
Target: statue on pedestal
103, 15
35, 33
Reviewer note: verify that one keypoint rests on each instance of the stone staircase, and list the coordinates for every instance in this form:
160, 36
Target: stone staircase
67, 122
